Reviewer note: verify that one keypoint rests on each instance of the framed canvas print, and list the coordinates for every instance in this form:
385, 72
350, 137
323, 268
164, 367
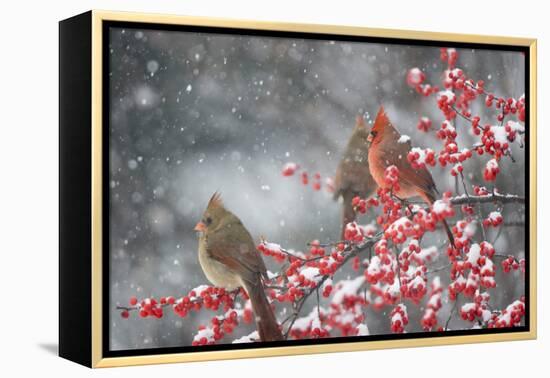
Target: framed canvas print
234, 189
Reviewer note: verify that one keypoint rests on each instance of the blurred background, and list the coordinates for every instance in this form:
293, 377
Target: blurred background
192, 113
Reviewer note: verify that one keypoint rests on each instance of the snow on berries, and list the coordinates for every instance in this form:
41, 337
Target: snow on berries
445, 101
391, 177
415, 77
399, 318
494, 219
509, 317
289, 169
271, 249
358, 233
419, 157
434, 304
219, 326
491, 170
449, 56
309, 326
399, 230
424, 124
442, 209
473, 310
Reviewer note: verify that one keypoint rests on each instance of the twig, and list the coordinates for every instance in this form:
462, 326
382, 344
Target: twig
451, 314
439, 269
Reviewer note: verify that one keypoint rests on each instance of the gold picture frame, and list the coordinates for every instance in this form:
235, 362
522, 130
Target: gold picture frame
91, 24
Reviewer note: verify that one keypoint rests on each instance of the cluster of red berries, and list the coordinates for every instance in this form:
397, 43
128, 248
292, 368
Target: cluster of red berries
356, 233
491, 170
511, 263
496, 140
449, 56
481, 191
407, 253
429, 319
510, 317
415, 79
479, 268
291, 294
385, 294
377, 271
477, 309
315, 249
451, 155
457, 286
329, 264
457, 169
207, 297
419, 158
424, 256
424, 124
447, 131
445, 102
147, 307
220, 326
272, 250
494, 219
426, 220
315, 182
327, 288
414, 286
290, 169
312, 330
380, 267
442, 209
392, 209
506, 105
362, 205
399, 318
391, 178
346, 315
401, 229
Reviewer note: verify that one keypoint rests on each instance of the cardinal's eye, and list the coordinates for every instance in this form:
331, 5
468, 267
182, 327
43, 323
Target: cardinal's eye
208, 221
372, 134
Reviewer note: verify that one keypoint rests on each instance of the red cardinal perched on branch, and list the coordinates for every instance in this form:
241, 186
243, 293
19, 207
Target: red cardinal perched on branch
387, 148
229, 259
353, 176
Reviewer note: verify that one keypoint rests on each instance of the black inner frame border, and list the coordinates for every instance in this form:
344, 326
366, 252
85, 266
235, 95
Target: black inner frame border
107, 311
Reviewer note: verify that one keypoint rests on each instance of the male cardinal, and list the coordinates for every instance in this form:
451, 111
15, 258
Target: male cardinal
387, 148
353, 176
229, 259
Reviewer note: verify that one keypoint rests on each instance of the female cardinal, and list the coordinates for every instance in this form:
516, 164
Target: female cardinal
353, 176
229, 259
387, 148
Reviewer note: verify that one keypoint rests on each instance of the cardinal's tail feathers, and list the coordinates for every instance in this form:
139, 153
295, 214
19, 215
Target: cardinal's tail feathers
266, 323
449, 233
348, 212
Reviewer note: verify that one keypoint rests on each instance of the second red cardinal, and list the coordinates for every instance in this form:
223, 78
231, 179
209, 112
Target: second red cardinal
387, 148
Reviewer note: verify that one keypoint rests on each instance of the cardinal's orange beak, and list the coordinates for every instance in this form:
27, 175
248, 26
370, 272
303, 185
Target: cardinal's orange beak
201, 227
370, 138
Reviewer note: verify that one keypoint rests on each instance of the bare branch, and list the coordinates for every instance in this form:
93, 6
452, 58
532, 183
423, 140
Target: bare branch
494, 197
